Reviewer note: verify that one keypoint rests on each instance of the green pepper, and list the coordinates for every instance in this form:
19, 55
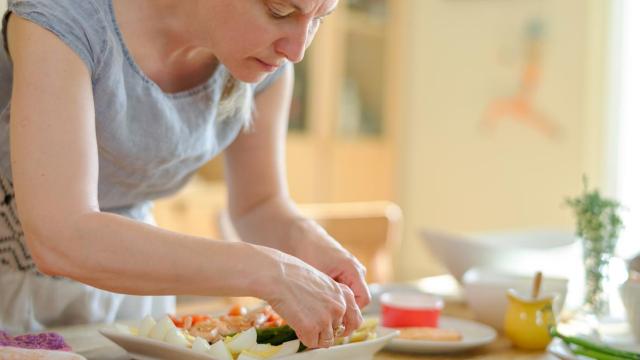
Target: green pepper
277, 335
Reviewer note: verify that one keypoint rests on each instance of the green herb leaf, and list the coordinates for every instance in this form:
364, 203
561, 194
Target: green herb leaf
597, 219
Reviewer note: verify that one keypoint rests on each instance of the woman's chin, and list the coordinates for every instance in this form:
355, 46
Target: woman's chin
251, 78
249, 74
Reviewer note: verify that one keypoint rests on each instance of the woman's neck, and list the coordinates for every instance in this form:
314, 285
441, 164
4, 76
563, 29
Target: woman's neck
172, 24
163, 37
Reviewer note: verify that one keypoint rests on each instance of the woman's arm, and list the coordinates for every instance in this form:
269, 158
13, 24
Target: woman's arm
55, 173
259, 203
255, 172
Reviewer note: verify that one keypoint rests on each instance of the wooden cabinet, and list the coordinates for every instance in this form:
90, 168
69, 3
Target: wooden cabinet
342, 142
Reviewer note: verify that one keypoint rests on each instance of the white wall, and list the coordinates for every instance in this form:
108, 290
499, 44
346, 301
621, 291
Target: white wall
626, 111
3, 5
458, 177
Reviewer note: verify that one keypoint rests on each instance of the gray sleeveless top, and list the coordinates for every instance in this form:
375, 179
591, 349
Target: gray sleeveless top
149, 141
149, 144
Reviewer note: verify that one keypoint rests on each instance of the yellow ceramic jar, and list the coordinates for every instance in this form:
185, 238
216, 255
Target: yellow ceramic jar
527, 321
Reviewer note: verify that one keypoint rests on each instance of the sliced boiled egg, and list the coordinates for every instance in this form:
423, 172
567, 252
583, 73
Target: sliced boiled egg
220, 351
160, 330
247, 355
288, 348
200, 345
245, 340
268, 351
176, 337
145, 326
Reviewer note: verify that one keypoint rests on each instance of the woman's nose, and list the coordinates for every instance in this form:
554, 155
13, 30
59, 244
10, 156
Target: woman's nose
294, 42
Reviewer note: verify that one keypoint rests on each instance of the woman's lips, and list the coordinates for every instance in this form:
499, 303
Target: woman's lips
266, 66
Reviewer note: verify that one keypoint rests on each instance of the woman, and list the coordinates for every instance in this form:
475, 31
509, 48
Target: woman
109, 104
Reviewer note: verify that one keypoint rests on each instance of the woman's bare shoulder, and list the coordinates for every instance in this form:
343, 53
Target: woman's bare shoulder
80, 25
29, 44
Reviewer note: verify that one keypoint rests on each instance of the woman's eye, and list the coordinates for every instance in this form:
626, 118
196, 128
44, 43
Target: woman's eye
279, 13
276, 15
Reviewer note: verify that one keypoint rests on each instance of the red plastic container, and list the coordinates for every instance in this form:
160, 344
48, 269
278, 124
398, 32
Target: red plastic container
400, 310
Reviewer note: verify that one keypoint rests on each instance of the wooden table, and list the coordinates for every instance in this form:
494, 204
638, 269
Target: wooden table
86, 341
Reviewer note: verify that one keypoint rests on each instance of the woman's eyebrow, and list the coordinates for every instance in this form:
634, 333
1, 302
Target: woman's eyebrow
302, 11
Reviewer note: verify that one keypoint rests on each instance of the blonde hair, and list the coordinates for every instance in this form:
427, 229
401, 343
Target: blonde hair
236, 102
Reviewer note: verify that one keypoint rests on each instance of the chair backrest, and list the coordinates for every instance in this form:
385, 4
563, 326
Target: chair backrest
369, 230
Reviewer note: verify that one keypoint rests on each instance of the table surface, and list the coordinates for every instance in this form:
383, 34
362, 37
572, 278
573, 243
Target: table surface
86, 341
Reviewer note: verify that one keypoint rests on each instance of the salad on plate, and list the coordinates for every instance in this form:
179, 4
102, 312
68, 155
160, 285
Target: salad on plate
240, 334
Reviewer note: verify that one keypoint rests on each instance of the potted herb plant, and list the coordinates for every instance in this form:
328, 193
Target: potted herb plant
598, 225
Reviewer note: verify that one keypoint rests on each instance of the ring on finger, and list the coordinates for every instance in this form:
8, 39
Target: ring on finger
339, 331
326, 340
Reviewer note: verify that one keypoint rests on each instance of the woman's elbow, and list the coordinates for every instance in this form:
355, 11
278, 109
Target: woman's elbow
47, 250
45, 265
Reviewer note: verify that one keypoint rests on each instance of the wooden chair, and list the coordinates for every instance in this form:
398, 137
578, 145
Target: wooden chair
369, 230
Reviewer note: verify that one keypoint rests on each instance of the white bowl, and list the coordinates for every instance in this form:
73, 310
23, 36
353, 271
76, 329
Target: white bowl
486, 292
527, 251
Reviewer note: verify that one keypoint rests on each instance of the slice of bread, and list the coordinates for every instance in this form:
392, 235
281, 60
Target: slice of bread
429, 333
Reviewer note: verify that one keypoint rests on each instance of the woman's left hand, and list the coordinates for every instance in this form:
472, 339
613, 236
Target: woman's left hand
260, 207
312, 244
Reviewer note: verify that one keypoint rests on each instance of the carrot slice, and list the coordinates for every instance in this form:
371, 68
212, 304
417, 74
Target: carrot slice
177, 322
237, 310
200, 318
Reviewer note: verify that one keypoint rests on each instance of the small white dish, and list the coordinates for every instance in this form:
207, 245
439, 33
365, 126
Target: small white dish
143, 348
473, 335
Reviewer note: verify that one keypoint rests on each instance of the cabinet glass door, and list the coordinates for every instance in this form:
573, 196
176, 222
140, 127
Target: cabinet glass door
362, 101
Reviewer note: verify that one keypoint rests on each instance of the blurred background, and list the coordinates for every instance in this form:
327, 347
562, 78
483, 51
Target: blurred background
469, 115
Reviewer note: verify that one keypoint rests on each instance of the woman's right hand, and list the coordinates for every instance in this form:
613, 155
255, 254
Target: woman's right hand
312, 303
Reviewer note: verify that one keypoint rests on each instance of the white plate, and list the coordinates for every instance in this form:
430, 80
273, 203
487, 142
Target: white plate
144, 348
473, 335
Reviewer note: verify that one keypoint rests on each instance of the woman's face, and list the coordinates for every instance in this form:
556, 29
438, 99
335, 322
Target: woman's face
252, 37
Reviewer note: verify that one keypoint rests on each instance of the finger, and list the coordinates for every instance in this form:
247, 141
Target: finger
326, 339
362, 294
308, 338
338, 327
353, 317
357, 283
